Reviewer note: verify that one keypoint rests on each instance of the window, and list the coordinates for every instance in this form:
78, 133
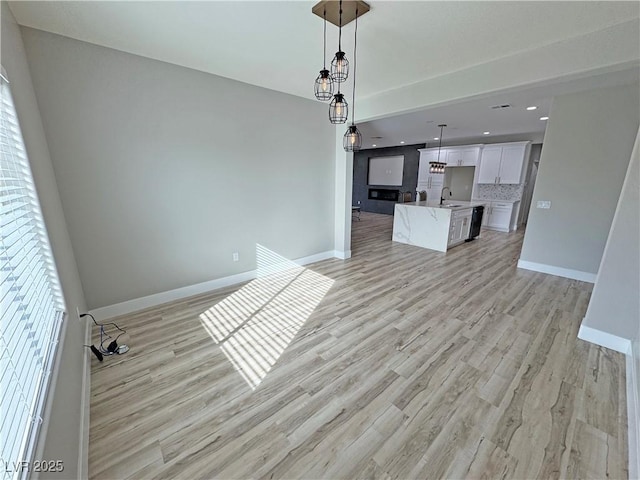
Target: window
30, 296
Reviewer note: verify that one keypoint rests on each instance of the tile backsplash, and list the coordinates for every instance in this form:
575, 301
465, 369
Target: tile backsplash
510, 192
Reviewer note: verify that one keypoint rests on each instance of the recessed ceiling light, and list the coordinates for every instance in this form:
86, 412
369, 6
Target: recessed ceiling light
544, 118
436, 138
486, 133
401, 141
374, 145
532, 107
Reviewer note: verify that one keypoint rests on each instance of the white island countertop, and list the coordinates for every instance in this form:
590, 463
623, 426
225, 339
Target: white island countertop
496, 200
449, 205
427, 224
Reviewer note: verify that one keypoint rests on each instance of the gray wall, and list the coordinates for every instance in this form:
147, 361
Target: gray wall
615, 302
361, 171
164, 171
584, 160
60, 436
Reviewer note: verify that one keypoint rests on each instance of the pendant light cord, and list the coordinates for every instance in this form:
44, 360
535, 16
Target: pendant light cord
324, 51
440, 143
355, 46
340, 30
340, 39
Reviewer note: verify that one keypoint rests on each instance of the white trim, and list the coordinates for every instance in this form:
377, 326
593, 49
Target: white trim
633, 413
604, 339
558, 271
51, 393
85, 404
156, 299
342, 255
497, 229
318, 257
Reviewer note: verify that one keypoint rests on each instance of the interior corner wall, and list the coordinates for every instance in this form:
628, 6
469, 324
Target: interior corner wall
164, 172
60, 436
614, 306
583, 164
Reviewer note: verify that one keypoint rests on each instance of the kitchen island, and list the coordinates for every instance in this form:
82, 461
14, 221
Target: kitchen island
433, 226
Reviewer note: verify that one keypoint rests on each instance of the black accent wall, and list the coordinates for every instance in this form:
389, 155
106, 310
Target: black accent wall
361, 172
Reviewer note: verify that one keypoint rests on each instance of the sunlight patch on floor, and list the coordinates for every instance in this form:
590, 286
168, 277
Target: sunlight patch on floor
255, 324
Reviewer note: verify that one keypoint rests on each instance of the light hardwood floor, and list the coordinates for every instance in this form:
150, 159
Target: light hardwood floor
397, 363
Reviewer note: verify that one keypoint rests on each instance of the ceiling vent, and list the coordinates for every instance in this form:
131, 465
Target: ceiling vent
500, 107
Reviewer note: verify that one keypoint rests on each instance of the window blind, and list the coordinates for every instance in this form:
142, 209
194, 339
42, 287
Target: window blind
30, 296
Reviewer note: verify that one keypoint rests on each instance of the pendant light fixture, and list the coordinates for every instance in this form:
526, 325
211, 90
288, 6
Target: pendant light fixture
339, 108
438, 167
323, 87
340, 64
352, 140
327, 82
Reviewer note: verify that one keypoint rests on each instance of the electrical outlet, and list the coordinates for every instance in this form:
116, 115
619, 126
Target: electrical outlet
543, 204
235, 256
358, 202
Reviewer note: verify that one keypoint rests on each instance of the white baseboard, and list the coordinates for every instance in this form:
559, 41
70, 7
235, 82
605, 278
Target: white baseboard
604, 339
497, 229
156, 299
558, 271
633, 413
342, 255
85, 405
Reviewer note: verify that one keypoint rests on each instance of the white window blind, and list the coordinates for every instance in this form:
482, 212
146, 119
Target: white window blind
32, 307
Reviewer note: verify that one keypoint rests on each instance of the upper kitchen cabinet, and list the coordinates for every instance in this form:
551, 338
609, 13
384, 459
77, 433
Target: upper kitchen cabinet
432, 183
503, 163
466, 156
463, 156
426, 156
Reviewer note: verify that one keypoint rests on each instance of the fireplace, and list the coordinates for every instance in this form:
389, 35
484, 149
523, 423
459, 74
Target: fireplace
383, 194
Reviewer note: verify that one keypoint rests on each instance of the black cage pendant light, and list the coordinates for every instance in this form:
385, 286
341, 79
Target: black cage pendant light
323, 87
340, 64
338, 108
438, 167
352, 140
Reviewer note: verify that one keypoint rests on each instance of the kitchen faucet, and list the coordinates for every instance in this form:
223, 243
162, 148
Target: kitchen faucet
442, 193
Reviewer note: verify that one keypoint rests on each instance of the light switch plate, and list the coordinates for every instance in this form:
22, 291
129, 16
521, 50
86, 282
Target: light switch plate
543, 204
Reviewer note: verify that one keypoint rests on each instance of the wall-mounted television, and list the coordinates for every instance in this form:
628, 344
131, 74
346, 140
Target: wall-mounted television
386, 170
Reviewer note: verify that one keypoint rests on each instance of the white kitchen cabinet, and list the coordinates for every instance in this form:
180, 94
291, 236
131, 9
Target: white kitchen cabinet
499, 216
426, 156
466, 156
431, 182
490, 164
503, 163
433, 186
459, 227
514, 159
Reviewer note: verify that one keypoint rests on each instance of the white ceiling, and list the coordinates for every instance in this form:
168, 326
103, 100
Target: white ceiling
465, 121
468, 120
278, 45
